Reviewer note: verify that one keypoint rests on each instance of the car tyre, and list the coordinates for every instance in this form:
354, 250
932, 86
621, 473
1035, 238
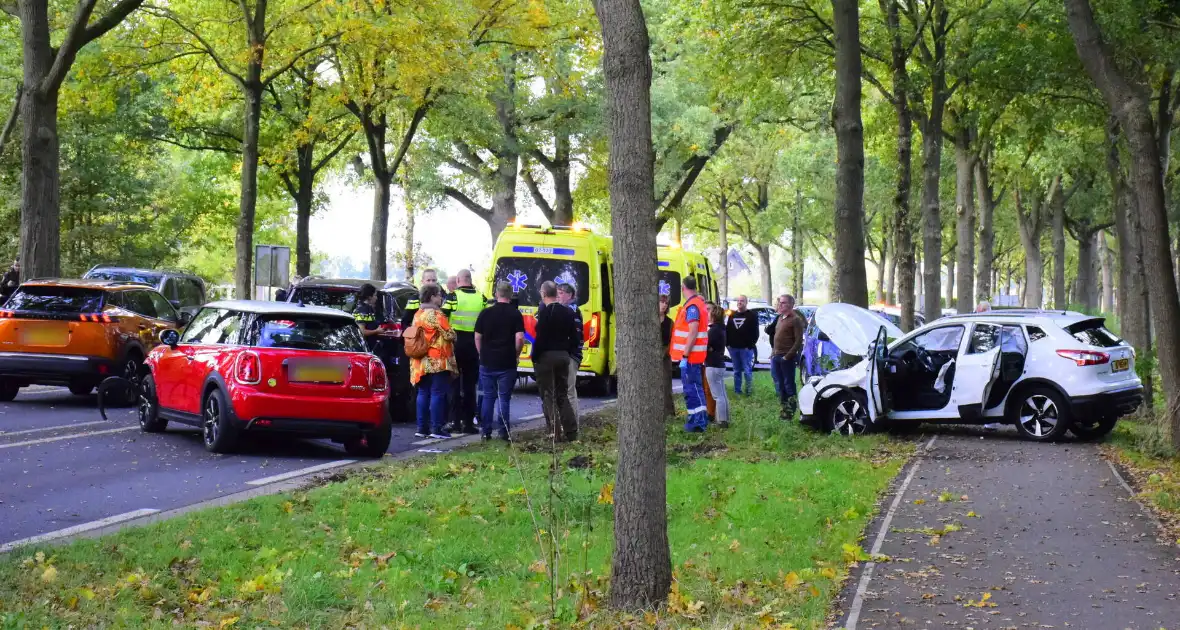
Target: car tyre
847, 413
131, 371
375, 443
148, 407
1092, 430
80, 388
1041, 414
217, 431
8, 390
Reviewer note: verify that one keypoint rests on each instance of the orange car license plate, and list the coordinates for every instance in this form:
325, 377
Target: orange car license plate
318, 371
1120, 365
50, 334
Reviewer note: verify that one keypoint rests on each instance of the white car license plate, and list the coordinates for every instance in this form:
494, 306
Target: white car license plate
1120, 365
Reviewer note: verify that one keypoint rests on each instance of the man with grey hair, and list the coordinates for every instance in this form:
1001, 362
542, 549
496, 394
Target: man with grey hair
568, 296
983, 307
554, 344
786, 340
499, 338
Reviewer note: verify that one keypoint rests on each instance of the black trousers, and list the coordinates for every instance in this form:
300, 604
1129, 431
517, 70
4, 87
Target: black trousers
553, 373
464, 389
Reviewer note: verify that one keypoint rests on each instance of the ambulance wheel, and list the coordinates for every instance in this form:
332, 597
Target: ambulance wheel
600, 386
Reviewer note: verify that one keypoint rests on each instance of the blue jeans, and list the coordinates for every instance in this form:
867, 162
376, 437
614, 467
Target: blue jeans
432, 401
743, 367
692, 379
495, 386
782, 370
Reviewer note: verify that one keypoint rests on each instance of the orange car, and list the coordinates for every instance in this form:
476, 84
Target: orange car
78, 332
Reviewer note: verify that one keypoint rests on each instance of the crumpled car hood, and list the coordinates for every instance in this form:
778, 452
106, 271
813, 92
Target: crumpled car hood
852, 328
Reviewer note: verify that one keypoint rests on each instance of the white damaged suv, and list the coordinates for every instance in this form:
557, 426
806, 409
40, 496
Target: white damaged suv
1046, 372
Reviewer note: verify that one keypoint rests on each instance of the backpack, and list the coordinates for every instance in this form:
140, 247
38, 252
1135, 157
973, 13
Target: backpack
417, 342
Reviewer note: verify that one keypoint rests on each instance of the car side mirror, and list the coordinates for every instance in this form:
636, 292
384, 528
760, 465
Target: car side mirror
170, 338
824, 337
185, 318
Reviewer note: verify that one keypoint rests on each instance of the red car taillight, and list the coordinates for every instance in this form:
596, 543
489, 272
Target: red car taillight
248, 369
98, 317
592, 332
1084, 357
378, 379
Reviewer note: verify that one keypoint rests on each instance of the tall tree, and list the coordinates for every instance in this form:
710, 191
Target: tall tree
849, 252
1127, 99
45, 67
965, 215
641, 566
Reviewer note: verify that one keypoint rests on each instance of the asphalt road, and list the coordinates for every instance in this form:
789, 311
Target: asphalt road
1047, 537
62, 466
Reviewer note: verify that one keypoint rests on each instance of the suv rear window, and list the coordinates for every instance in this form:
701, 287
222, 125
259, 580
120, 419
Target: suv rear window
1094, 333
126, 276
56, 300
339, 298
306, 333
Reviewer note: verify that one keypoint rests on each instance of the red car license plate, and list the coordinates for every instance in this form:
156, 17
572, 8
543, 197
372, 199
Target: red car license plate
312, 371
1120, 365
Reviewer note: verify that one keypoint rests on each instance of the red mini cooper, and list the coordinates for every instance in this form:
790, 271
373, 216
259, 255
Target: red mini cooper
243, 366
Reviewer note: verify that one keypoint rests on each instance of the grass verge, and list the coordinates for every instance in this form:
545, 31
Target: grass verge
764, 520
1140, 445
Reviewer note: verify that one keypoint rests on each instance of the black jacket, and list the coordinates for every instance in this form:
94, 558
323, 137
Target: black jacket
741, 331
715, 352
556, 331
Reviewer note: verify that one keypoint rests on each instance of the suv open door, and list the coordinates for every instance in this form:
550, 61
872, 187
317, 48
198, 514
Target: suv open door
878, 396
978, 368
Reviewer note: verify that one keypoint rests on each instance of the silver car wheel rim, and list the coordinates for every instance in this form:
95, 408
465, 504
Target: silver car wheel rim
1038, 415
145, 404
212, 420
849, 418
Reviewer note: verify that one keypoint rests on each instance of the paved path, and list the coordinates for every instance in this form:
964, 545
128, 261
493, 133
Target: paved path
63, 468
1049, 538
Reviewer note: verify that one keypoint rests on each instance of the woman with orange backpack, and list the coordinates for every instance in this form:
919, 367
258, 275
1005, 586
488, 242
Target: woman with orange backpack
433, 370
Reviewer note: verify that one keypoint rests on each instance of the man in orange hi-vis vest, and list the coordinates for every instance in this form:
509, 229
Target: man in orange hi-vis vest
690, 339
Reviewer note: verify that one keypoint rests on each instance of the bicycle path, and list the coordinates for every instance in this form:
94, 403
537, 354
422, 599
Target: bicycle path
994, 532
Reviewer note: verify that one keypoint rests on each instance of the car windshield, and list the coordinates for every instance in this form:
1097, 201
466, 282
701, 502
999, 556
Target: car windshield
125, 276
525, 275
306, 333
1094, 333
56, 300
339, 298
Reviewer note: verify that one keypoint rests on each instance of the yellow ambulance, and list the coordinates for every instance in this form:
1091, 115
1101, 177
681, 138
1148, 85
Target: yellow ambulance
527, 255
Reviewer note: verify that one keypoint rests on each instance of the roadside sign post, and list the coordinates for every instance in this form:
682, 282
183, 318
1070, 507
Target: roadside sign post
272, 267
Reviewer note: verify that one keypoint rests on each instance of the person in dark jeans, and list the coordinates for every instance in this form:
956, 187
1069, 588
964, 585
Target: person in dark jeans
665, 343
741, 332
568, 296
499, 337
786, 340
555, 340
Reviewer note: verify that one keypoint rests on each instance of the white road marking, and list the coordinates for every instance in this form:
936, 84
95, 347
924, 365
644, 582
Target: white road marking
58, 438
77, 529
1126, 486
867, 575
299, 473
53, 428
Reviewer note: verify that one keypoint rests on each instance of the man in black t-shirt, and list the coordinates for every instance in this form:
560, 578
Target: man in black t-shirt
499, 337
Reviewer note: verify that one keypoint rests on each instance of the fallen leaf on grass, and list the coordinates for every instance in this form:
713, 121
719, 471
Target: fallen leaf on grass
606, 496
539, 567
735, 545
227, 622
792, 581
288, 507
828, 572
49, 575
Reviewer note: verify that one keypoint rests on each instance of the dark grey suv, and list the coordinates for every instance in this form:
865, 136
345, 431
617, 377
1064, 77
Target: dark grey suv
185, 291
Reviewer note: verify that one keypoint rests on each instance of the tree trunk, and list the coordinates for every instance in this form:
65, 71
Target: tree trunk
891, 277
932, 167
1060, 300
987, 236
1129, 103
797, 253
723, 235
965, 215
903, 245
379, 234
764, 270
40, 235
304, 200
848, 255
882, 268
1030, 239
244, 243
641, 565
410, 247
1104, 256
563, 197
950, 282
1086, 283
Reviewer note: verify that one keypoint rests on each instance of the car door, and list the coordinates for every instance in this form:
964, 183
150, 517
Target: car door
978, 368
165, 318
183, 370
878, 394
143, 327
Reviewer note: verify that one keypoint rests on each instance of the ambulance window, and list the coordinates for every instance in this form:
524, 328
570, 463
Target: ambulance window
670, 286
607, 306
525, 275
704, 285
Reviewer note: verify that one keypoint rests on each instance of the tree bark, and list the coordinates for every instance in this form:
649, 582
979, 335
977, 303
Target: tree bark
1086, 282
987, 236
1060, 299
1031, 224
641, 565
797, 252
965, 215
932, 165
950, 283
1104, 257
849, 249
409, 245
1129, 103
903, 245
304, 200
764, 270
244, 242
379, 230
723, 236
882, 268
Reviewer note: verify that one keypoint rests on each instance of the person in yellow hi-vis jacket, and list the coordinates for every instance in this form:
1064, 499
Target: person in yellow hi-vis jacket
468, 305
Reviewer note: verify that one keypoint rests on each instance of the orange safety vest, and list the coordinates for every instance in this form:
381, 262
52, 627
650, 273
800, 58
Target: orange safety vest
682, 346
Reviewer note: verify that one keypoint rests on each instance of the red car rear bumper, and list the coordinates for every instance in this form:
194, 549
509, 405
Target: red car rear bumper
308, 415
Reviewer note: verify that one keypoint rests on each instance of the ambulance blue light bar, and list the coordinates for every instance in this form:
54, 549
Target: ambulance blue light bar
550, 251
663, 263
